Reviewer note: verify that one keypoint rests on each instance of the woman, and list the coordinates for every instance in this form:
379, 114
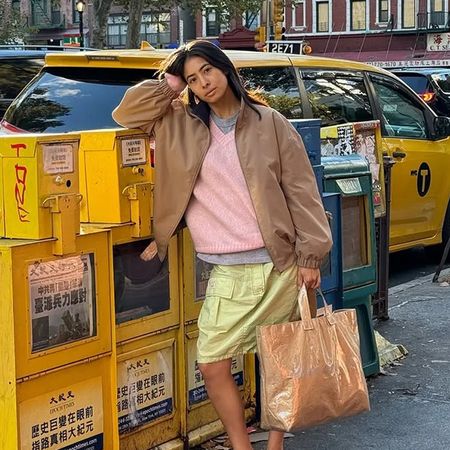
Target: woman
238, 173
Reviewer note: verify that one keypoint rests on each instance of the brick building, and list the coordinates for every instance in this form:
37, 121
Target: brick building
384, 32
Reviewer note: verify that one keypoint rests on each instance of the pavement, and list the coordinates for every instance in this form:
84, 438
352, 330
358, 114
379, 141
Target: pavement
410, 402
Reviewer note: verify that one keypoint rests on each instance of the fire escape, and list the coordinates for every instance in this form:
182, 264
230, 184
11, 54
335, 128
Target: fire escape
427, 23
46, 14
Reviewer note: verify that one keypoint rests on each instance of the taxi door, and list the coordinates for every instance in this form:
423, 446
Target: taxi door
419, 180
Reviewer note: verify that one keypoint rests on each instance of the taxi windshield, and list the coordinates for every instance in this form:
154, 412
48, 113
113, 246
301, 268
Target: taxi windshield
65, 99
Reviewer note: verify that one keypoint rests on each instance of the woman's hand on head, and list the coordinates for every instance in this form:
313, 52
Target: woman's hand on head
150, 252
309, 277
175, 82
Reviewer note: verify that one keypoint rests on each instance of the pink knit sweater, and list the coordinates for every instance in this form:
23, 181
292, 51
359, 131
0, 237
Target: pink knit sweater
220, 214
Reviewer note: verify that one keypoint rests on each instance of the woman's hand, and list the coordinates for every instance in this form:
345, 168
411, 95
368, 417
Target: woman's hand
175, 82
309, 277
150, 252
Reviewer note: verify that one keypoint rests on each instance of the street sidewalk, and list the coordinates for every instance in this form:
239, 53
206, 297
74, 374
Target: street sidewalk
411, 403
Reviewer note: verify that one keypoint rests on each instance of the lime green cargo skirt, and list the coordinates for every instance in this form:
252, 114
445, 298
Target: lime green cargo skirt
238, 299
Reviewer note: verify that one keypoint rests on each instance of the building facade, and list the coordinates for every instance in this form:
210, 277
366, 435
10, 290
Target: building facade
381, 32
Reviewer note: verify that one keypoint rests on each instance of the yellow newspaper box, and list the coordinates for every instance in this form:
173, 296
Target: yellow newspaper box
71, 408
146, 293
59, 307
116, 178
39, 186
196, 274
148, 392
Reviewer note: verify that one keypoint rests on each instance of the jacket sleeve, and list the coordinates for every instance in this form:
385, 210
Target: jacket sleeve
144, 104
313, 234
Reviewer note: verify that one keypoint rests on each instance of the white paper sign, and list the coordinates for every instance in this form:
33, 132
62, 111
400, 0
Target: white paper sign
133, 152
145, 388
58, 158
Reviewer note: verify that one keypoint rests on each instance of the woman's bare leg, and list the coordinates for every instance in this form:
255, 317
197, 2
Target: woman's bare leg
275, 440
225, 397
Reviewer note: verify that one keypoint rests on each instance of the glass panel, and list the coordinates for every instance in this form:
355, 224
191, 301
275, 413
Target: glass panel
383, 11
337, 97
62, 301
59, 99
443, 81
15, 75
409, 13
354, 232
419, 83
358, 15
141, 287
277, 86
403, 115
322, 17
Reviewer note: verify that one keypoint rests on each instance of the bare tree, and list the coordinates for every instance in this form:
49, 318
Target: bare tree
100, 20
13, 26
225, 9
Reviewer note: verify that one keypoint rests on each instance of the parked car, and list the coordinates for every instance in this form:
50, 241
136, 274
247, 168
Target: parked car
79, 91
432, 85
17, 68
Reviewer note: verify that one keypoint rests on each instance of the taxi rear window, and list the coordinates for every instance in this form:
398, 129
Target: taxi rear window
65, 99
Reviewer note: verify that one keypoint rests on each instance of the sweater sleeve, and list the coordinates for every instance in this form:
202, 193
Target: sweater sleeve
144, 104
313, 234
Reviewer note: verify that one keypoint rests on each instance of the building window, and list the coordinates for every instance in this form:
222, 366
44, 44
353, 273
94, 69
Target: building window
358, 15
438, 15
155, 28
298, 14
322, 17
408, 13
383, 11
214, 22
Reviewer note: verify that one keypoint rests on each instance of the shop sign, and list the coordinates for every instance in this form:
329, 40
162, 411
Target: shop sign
196, 385
419, 62
62, 301
70, 418
145, 388
438, 42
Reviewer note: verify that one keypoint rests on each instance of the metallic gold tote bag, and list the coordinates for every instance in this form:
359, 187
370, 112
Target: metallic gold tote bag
311, 370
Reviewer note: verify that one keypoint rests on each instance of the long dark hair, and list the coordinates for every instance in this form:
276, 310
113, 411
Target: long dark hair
174, 64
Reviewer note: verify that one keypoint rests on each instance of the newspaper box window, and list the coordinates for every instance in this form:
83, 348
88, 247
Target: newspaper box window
141, 287
62, 301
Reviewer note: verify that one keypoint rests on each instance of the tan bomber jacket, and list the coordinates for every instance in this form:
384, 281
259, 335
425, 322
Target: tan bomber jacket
276, 168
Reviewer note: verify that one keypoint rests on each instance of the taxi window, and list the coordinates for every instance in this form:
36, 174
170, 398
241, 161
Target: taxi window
15, 74
443, 81
64, 99
277, 86
337, 97
402, 114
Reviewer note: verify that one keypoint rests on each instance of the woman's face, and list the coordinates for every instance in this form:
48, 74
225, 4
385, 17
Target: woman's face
207, 82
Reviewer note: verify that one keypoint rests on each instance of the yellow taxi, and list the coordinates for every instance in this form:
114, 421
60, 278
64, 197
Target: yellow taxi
78, 91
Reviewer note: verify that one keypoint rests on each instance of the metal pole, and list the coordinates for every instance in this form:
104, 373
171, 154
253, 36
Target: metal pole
81, 30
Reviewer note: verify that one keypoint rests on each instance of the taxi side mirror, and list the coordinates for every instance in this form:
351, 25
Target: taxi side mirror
441, 126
